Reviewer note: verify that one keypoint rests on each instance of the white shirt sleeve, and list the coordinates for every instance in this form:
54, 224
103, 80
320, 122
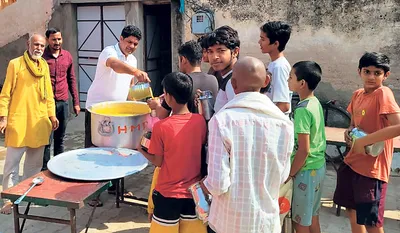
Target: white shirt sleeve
230, 93
280, 88
288, 150
286, 171
224, 97
220, 101
108, 52
218, 180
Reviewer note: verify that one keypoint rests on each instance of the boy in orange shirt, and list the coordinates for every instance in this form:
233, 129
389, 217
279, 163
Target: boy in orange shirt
362, 179
176, 145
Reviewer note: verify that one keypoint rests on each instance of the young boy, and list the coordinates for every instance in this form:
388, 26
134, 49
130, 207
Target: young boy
190, 55
203, 43
362, 179
273, 39
223, 52
308, 157
175, 147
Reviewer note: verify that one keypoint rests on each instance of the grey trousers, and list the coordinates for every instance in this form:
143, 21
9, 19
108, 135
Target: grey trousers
32, 165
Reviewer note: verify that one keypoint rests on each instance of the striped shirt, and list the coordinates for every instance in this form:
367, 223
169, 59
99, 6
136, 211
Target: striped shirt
249, 147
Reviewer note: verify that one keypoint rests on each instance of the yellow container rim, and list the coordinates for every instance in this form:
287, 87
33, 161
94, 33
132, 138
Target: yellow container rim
92, 109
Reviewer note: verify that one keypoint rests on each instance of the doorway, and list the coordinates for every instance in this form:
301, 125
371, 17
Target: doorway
158, 60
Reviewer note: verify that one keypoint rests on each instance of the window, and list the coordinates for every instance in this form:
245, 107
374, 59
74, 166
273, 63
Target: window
5, 3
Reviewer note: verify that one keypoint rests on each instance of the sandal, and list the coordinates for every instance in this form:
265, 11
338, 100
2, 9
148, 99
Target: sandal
126, 193
95, 202
7, 208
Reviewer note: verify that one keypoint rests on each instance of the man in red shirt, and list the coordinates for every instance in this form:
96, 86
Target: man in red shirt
62, 80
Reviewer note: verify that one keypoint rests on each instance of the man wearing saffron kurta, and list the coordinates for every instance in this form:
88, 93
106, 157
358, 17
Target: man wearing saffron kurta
27, 113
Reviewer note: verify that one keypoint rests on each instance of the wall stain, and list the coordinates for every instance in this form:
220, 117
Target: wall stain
343, 16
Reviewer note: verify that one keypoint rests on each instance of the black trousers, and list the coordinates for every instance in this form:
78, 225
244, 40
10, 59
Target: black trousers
88, 130
57, 136
209, 230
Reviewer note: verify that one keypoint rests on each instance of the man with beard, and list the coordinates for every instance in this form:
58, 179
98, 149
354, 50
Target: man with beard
63, 79
27, 113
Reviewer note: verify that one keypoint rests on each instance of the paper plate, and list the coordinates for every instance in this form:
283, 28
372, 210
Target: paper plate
95, 164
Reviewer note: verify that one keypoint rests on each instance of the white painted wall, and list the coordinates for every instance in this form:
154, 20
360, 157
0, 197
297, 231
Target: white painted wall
24, 16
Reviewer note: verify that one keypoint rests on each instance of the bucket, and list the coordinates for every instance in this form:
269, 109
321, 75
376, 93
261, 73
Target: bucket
119, 124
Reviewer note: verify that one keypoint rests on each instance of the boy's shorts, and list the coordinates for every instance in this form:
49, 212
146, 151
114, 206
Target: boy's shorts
307, 192
173, 215
364, 194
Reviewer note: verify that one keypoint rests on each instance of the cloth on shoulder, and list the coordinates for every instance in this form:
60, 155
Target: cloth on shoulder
249, 145
259, 102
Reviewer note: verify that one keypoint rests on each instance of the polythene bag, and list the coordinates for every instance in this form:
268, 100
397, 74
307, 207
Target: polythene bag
285, 199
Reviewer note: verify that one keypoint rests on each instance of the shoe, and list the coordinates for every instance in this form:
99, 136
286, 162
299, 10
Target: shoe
126, 192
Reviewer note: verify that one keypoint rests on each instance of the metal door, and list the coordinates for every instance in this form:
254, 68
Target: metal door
157, 20
98, 27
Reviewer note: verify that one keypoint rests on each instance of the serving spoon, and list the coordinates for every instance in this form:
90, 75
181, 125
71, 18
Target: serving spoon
36, 181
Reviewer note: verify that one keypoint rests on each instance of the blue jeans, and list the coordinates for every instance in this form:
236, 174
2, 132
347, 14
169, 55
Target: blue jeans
62, 114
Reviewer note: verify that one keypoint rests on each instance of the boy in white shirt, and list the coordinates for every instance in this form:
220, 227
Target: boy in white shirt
223, 52
273, 39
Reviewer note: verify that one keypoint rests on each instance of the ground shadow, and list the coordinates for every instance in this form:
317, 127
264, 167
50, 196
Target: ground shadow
137, 230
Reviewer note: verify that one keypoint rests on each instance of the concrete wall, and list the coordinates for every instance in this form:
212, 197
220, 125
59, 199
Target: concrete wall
134, 15
24, 16
17, 22
178, 32
334, 33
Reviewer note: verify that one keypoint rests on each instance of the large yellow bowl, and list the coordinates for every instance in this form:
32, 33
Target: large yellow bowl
119, 124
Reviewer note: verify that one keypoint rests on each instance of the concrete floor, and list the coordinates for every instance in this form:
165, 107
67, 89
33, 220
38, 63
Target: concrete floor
134, 219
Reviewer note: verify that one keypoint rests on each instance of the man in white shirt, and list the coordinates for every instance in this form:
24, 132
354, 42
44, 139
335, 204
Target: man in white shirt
249, 150
116, 72
273, 39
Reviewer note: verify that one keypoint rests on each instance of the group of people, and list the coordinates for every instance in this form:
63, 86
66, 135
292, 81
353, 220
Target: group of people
253, 148
34, 106
241, 156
